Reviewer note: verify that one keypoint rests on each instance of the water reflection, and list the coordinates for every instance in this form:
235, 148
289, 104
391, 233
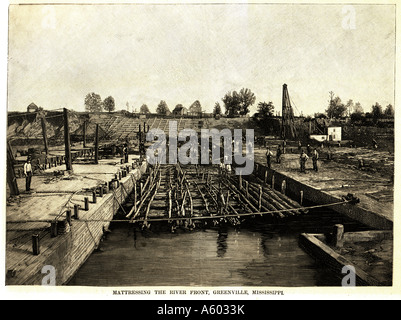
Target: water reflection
263, 243
256, 255
222, 242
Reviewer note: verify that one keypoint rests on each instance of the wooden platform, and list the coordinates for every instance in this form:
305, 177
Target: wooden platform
51, 198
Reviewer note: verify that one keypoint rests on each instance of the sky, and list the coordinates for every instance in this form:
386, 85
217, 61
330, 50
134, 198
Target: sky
142, 54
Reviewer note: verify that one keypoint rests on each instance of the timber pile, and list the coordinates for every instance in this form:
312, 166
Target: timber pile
189, 195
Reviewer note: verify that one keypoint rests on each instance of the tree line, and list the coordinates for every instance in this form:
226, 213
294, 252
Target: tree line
235, 103
238, 103
94, 103
337, 109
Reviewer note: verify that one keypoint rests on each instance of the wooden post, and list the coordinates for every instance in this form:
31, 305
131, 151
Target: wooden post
273, 181
260, 198
106, 188
266, 177
93, 196
101, 191
68, 217
44, 134
53, 229
84, 134
338, 236
11, 178
228, 200
67, 141
76, 211
86, 199
97, 144
283, 186
35, 244
135, 194
302, 198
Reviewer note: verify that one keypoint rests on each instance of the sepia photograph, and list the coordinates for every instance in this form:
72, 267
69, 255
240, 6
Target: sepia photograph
199, 150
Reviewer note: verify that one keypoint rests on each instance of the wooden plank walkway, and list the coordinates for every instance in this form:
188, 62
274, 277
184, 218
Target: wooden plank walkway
52, 195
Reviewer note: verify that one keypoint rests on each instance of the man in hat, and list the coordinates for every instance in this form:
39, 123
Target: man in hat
28, 173
125, 153
302, 159
315, 157
278, 154
269, 155
309, 150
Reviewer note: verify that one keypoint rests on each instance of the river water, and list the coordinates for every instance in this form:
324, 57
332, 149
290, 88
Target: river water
256, 254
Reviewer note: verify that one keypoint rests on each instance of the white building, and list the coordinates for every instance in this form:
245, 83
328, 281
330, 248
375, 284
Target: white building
333, 134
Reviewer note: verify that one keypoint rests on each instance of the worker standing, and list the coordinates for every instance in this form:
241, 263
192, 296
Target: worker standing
125, 153
28, 173
278, 155
302, 159
269, 155
309, 149
315, 157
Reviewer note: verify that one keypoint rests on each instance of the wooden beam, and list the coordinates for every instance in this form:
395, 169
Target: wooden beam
67, 141
44, 133
11, 178
84, 134
97, 144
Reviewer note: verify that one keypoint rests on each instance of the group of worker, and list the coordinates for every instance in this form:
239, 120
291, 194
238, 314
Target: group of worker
304, 157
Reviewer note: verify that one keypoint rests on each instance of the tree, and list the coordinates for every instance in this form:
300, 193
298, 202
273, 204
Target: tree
350, 106
93, 102
109, 104
358, 108
195, 107
336, 108
238, 103
389, 111
357, 114
144, 109
266, 110
162, 108
247, 98
265, 118
217, 109
377, 112
320, 115
231, 103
